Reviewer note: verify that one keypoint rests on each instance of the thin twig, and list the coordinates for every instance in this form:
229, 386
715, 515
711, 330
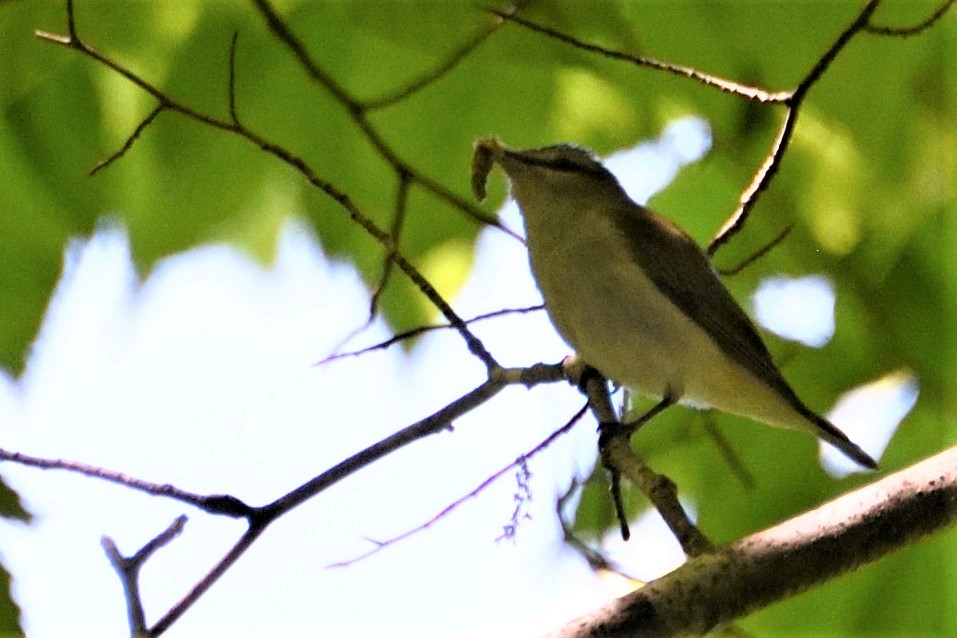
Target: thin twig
481, 487
772, 162
817, 71
433, 424
382, 237
128, 144
415, 332
791, 99
727, 86
595, 558
213, 504
263, 517
260, 518
398, 221
662, 493
735, 222
388, 263
232, 79
128, 570
202, 586
728, 453
443, 68
357, 111
914, 30
734, 270
298, 49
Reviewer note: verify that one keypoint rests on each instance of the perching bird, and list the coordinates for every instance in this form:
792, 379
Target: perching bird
637, 298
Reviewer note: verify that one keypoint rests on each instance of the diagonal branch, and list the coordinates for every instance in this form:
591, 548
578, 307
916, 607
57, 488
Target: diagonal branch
445, 67
762, 179
904, 32
415, 332
620, 459
433, 424
128, 569
791, 99
259, 518
128, 144
717, 588
210, 503
727, 86
481, 487
235, 127
358, 112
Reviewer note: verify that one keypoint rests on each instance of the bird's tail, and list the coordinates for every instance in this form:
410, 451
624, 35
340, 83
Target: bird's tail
830, 434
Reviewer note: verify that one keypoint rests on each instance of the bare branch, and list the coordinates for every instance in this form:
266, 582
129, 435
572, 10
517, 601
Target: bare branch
285, 35
718, 587
616, 452
382, 237
415, 332
357, 112
618, 457
432, 424
914, 30
733, 225
772, 162
825, 60
727, 86
232, 79
260, 518
207, 581
662, 493
128, 144
398, 221
213, 504
481, 487
442, 69
792, 99
128, 570
595, 558
734, 270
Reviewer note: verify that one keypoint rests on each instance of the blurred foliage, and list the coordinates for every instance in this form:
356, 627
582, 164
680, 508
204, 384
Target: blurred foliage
870, 182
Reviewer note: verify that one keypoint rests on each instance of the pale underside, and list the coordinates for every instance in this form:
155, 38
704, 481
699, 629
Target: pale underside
652, 347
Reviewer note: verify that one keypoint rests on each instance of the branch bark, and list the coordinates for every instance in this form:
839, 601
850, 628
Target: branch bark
714, 589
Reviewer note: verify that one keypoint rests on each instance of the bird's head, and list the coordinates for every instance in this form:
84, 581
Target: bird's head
560, 171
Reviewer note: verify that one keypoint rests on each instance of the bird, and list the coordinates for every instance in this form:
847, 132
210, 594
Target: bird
637, 298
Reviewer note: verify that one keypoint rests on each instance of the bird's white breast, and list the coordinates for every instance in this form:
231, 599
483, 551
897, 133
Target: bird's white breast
619, 322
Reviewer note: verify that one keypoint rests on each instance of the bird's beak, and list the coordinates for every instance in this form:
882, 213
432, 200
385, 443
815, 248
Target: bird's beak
487, 151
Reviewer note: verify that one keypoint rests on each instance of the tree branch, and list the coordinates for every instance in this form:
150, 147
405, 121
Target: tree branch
718, 587
614, 445
904, 32
128, 570
727, 86
233, 125
448, 509
762, 179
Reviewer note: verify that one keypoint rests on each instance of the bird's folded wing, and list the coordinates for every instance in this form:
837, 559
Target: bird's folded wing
681, 271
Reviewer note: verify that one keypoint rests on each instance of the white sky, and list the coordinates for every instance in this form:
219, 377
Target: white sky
203, 378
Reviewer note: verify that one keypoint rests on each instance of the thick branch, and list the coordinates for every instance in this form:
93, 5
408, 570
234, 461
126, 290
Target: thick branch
717, 588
